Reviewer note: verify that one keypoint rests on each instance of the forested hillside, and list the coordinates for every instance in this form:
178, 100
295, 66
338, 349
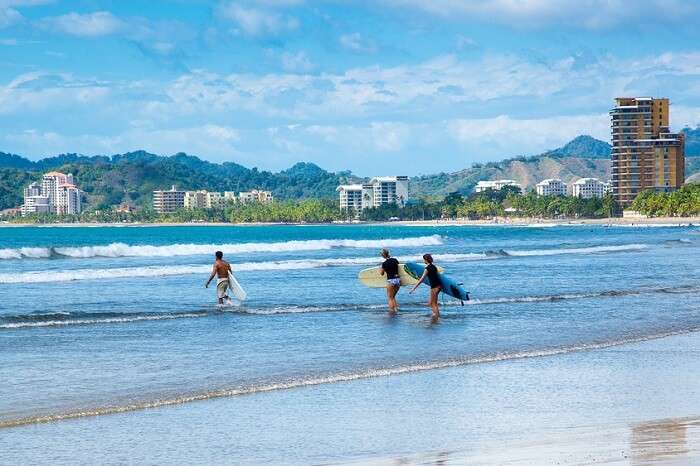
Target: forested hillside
131, 177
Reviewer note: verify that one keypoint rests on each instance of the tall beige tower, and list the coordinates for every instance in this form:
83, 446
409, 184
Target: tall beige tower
645, 154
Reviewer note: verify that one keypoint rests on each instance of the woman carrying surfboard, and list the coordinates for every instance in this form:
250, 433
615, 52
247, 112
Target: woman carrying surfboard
390, 268
431, 273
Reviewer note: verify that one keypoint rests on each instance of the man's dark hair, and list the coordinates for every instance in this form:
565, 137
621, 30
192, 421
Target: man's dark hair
219, 254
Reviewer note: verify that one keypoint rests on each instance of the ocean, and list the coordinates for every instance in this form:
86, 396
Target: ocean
107, 327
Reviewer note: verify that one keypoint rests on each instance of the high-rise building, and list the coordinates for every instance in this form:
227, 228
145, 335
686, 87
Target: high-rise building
350, 197
551, 187
34, 200
645, 154
586, 188
56, 194
168, 201
384, 190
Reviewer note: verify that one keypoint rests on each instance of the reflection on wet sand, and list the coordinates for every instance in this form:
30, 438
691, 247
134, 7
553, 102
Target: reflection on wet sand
662, 440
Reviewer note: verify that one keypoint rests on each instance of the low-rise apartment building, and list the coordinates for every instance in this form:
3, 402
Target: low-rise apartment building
587, 188
174, 199
551, 187
495, 185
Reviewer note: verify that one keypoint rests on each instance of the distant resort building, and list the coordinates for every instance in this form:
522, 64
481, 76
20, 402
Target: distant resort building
350, 197
551, 187
377, 192
587, 188
165, 202
495, 185
263, 197
55, 194
169, 201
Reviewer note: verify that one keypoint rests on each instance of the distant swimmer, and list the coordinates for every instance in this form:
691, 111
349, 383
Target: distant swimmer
431, 273
390, 268
221, 269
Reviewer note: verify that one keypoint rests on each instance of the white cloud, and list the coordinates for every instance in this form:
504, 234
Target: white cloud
254, 21
503, 134
591, 14
100, 23
296, 62
357, 43
456, 111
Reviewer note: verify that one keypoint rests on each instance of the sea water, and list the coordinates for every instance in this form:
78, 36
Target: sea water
97, 323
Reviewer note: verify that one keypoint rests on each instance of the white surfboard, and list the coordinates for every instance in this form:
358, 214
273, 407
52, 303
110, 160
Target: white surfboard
236, 288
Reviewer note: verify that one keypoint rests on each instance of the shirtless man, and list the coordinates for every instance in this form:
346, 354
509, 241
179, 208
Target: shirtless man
221, 269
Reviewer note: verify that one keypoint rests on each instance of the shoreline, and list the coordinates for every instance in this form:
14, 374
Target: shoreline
500, 221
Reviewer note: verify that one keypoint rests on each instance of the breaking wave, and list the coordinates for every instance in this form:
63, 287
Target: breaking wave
586, 250
127, 250
345, 376
52, 276
65, 275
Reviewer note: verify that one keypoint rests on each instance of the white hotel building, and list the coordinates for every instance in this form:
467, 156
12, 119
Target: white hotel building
350, 196
551, 187
587, 188
57, 194
378, 192
495, 185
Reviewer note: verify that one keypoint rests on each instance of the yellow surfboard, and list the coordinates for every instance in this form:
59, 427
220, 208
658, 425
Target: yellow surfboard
372, 277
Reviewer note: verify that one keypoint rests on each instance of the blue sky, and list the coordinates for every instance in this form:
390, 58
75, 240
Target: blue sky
376, 87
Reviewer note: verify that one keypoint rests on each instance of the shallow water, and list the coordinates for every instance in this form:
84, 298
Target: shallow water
103, 320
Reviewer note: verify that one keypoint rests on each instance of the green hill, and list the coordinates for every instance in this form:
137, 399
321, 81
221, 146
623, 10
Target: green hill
583, 146
133, 176
110, 180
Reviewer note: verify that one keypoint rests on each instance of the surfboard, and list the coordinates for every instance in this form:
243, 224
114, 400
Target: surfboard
450, 286
372, 277
236, 288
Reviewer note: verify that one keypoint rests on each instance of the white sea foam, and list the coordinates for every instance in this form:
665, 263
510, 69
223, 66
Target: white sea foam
65, 275
587, 250
314, 380
126, 250
93, 321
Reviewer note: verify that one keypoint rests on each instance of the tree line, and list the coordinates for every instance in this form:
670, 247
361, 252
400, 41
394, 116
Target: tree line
508, 202
683, 202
